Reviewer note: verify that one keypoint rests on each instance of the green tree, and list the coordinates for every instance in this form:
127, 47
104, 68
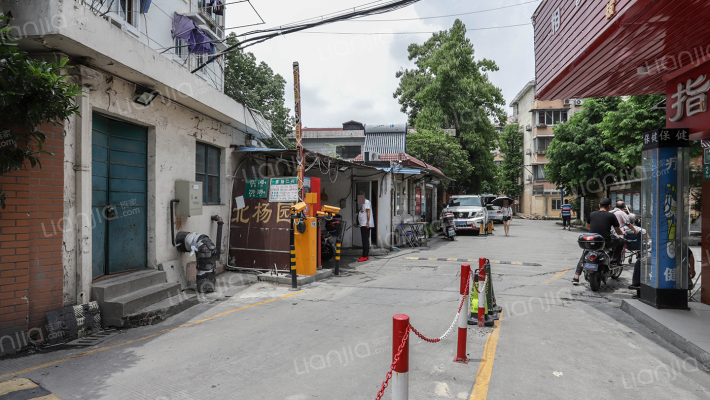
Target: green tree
436, 147
623, 128
452, 90
511, 145
32, 92
580, 161
257, 87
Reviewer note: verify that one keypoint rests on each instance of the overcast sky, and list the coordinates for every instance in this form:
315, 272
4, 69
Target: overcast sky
346, 77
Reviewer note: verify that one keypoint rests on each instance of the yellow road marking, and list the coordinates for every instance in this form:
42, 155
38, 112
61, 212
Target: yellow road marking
452, 259
411, 258
516, 263
86, 353
14, 385
48, 397
433, 258
557, 275
495, 262
485, 368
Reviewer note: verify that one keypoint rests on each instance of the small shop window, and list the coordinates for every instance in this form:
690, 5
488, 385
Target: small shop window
207, 162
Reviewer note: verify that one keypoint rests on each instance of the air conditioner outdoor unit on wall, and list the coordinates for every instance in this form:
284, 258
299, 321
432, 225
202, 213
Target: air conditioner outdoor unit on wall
371, 156
528, 151
528, 178
568, 102
578, 102
528, 128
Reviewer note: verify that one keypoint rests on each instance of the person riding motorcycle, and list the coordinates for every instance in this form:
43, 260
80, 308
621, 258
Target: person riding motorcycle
621, 212
602, 222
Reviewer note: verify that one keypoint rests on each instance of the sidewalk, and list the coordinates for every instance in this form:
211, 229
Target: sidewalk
686, 330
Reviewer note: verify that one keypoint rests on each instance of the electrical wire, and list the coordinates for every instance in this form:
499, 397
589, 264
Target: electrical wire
444, 16
260, 36
410, 33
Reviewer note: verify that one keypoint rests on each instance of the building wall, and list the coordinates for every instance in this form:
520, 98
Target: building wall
173, 131
31, 272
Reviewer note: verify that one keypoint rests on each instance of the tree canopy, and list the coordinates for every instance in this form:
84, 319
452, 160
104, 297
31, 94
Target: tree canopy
511, 145
257, 87
438, 148
452, 90
32, 92
580, 161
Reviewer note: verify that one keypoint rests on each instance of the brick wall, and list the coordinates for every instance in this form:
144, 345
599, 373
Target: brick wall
31, 271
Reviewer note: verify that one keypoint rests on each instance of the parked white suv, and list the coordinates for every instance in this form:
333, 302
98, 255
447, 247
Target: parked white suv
469, 212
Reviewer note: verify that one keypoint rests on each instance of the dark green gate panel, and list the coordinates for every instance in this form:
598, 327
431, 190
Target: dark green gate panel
99, 194
123, 186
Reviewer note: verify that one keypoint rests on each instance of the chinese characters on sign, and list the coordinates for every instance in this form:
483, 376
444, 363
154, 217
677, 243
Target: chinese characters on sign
262, 212
555, 21
256, 188
283, 190
665, 138
691, 98
706, 171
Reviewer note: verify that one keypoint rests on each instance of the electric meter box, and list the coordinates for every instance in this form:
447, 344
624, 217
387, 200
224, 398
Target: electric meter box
190, 196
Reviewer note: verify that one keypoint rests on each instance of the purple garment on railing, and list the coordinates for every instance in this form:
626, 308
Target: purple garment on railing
199, 43
182, 26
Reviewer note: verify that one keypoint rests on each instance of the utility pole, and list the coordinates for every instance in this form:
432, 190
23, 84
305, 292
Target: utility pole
299, 139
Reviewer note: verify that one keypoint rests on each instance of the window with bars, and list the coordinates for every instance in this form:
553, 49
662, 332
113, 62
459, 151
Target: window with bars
207, 168
551, 117
541, 144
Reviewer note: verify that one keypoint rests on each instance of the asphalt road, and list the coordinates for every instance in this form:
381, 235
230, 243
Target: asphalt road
333, 340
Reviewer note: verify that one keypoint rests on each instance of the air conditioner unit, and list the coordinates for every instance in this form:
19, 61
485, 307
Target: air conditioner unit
514, 120
528, 178
371, 156
568, 102
578, 102
528, 151
528, 128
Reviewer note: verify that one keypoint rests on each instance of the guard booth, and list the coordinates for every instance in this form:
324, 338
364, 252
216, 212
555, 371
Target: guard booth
664, 200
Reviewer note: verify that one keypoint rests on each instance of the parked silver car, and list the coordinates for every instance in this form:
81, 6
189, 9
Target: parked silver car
469, 212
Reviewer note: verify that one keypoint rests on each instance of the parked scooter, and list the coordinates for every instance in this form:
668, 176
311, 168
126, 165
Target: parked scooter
596, 260
449, 227
327, 249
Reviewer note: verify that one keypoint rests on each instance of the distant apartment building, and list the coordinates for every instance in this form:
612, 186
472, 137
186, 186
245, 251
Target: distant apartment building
537, 118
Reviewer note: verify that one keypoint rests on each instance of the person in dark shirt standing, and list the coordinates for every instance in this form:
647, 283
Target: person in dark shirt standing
601, 222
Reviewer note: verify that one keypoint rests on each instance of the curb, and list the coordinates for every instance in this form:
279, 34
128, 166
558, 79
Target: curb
301, 279
664, 332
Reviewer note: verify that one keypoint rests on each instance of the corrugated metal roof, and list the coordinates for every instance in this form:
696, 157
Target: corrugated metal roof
385, 143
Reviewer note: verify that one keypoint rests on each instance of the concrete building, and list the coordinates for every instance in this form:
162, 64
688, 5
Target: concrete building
100, 206
537, 118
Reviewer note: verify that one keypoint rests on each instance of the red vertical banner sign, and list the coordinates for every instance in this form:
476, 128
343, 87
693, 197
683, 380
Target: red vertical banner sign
418, 199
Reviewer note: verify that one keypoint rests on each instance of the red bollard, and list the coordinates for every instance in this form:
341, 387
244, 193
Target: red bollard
482, 291
400, 377
463, 315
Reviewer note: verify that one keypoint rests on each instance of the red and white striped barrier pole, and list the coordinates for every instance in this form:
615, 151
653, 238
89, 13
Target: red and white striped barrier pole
481, 289
463, 315
400, 378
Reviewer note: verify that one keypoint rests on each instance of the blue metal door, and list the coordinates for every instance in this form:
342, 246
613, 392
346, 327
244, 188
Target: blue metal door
119, 186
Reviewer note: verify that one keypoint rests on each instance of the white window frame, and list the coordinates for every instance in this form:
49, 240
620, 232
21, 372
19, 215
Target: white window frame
559, 201
550, 117
133, 28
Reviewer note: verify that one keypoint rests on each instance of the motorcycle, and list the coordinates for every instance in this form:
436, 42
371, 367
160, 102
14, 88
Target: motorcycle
596, 260
449, 228
327, 249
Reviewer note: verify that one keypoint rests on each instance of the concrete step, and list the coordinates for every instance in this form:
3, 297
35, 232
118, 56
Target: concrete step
117, 286
162, 310
114, 310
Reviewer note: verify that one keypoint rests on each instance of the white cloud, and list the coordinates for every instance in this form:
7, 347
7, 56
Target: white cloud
347, 77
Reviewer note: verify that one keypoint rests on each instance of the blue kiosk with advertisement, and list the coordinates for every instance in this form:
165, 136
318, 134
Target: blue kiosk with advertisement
664, 200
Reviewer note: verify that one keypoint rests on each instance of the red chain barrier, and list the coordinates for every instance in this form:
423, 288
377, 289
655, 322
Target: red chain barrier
406, 337
394, 363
